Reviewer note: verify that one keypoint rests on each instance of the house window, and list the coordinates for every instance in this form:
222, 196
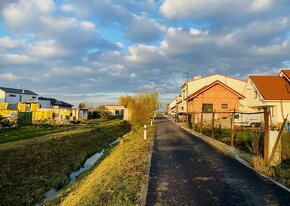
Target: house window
12, 95
225, 106
33, 97
255, 94
20, 98
207, 108
183, 94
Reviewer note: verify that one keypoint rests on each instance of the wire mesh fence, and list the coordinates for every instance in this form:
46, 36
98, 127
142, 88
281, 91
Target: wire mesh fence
245, 131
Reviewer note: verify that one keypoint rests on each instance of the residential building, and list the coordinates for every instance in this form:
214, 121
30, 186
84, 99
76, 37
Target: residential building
14, 96
172, 107
269, 91
200, 82
45, 102
116, 110
216, 97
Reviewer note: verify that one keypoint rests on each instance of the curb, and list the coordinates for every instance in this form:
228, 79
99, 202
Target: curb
238, 155
144, 190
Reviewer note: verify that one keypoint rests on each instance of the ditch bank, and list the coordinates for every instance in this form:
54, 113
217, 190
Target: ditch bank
117, 180
31, 167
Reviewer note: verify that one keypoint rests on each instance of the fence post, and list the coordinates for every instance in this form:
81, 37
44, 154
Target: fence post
271, 158
201, 122
193, 122
145, 132
266, 133
212, 125
233, 127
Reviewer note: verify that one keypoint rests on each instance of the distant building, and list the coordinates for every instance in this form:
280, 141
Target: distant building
116, 110
13, 96
45, 102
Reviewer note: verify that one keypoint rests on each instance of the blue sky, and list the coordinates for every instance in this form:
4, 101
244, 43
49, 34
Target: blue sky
96, 50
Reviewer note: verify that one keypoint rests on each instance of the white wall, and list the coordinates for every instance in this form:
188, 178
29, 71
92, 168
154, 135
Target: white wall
44, 104
15, 98
2, 96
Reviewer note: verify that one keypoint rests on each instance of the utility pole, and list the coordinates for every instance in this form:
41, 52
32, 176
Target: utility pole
186, 73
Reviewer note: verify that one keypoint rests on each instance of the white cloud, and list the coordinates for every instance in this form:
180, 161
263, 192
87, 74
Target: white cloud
7, 42
259, 5
18, 59
10, 77
144, 54
46, 49
88, 25
144, 30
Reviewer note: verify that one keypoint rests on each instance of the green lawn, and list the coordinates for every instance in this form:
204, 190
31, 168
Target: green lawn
27, 132
31, 167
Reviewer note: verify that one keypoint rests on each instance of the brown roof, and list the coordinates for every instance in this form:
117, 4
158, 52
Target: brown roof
203, 89
286, 73
272, 87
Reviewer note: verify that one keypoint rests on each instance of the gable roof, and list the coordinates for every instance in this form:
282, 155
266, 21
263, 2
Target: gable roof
272, 87
17, 91
52, 100
286, 73
217, 82
62, 104
55, 102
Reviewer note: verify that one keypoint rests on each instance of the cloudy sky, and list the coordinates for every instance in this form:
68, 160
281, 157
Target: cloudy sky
96, 50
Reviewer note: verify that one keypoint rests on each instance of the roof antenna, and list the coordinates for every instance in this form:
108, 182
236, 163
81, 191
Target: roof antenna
225, 74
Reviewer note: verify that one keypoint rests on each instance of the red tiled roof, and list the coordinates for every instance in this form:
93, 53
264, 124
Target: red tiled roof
272, 87
286, 73
203, 89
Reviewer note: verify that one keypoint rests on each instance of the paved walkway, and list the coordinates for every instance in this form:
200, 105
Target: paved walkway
187, 171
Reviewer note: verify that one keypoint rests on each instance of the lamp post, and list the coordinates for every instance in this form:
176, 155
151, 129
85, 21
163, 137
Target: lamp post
186, 73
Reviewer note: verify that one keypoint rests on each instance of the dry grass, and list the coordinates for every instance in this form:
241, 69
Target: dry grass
117, 180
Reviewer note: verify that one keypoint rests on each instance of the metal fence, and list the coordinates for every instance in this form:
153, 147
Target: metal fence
245, 131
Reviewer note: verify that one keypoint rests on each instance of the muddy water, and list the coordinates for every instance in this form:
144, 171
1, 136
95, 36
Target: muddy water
52, 193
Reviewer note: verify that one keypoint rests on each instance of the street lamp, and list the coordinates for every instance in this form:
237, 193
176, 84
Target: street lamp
186, 73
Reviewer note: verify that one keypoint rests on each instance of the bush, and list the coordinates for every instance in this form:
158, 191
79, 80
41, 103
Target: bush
141, 106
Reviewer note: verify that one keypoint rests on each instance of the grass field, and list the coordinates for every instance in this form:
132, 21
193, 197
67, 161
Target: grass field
30, 167
27, 132
117, 180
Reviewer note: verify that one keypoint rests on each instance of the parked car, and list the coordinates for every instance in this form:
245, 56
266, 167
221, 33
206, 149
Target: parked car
181, 117
248, 120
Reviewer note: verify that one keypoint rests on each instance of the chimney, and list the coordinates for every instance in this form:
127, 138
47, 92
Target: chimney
197, 77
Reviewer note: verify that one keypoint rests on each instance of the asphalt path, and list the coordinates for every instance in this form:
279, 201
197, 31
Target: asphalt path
187, 171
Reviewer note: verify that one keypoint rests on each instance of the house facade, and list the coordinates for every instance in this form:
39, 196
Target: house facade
116, 110
272, 92
45, 102
215, 97
14, 96
200, 82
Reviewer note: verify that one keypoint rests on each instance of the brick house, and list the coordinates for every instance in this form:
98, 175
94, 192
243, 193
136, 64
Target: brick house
216, 97
199, 82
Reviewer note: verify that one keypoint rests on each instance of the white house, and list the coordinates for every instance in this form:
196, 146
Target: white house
14, 96
199, 82
116, 110
269, 91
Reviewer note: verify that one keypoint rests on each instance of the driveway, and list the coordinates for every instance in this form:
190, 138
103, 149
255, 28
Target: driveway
187, 171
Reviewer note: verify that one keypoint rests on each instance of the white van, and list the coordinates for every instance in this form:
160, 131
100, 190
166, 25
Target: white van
247, 120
